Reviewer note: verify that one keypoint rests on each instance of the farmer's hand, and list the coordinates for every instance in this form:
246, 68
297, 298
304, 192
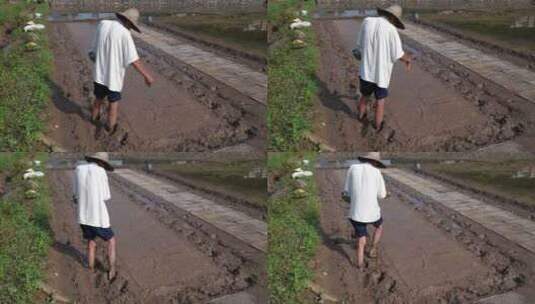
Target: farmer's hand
149, 80
346, 197
407, 60
408, 65
92, 56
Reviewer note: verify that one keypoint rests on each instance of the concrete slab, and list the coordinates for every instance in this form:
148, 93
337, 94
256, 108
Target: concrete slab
512, 227
238, 76
506, 298
494, 69
237, 298
236, 223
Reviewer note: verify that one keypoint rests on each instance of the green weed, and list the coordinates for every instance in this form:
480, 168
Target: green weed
24, 79
25, 233
291, 77
292, 229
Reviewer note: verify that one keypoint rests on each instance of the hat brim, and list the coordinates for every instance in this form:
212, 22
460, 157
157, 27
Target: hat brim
397, 21
107, 166
377, 163
125, 19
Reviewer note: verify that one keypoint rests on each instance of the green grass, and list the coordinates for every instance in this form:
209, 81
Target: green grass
227, 177
25, 235
24, 79
291, 78
231, 30
293, 220
493, 177
493, 27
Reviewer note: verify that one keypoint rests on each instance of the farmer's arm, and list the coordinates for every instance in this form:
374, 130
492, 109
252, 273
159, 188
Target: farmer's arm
132, 57
75, 189
361, 34
347, 186
407, 60
93, 48
106, 193
382, 189
138, 65
397, 52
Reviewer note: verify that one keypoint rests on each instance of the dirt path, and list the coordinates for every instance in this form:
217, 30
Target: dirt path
162, 257
177, 113
422, 257
430, 108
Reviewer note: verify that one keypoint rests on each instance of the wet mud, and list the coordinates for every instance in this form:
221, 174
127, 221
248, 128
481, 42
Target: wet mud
162, 257
498, 266
178, 113
435, 107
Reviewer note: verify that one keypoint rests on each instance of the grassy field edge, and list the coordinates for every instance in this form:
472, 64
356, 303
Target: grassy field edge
292, 79
24, 226
25, 69
293, 221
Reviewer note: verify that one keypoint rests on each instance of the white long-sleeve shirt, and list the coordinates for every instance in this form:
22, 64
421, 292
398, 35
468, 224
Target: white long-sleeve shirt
364, 184
115, 50
91, 189
380, 48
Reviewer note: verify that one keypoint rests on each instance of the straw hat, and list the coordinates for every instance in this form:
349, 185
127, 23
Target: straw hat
374, 157
130, 16
101, 157
395, 11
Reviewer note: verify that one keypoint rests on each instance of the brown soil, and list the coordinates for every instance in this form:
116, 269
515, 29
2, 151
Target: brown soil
163, 257
177, 113
502, 266
445, 110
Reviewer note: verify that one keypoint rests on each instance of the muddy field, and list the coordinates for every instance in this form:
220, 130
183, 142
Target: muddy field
445, 109
163, 255
440, 257
178, 113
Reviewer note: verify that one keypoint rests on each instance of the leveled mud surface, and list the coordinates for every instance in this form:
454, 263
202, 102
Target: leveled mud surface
457, 264
434, 107
175, 114
162, 257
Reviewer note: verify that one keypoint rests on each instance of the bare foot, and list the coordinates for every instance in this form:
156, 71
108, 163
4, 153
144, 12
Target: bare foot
112, 273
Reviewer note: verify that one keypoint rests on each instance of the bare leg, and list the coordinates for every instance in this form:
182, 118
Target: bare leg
360, 251
379, 113
95, 110
362, 106
111, 257
377, 235
91, 248
112, 114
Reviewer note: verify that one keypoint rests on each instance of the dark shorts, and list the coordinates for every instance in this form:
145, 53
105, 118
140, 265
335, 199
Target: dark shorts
367, 88
90, 232
361, 228
102, 91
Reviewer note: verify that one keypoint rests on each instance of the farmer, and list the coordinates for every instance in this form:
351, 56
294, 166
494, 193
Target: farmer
363, 186
380, 47
91, 191
113, 50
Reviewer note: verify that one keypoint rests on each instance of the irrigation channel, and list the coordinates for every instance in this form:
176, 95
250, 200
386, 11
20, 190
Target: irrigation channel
201, 99
455, 98
175, 244
442, 244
